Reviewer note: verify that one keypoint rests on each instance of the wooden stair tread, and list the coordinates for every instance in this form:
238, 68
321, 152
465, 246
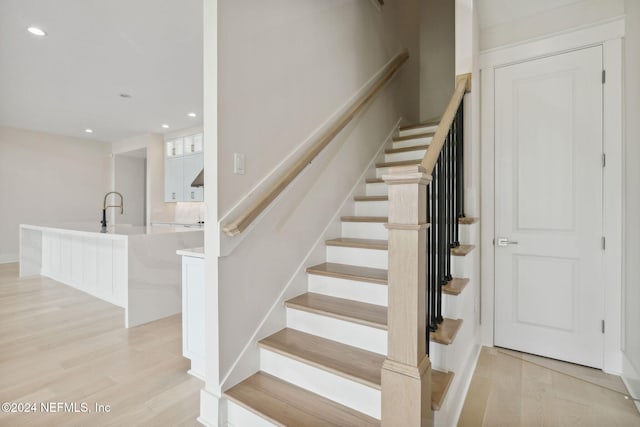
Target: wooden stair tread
440, 382
406, 149
340, 308
398, 163
285, 404
455, 286
462, 250
380, 219
409, 137
420, 125
447, 331
468, 220
371, 198
350, 272
373, 180
350, 242
349, 362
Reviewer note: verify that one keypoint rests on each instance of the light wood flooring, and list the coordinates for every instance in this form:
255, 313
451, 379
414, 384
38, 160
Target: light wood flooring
514, 389
58, 344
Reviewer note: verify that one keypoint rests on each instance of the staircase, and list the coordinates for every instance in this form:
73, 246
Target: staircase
324, 368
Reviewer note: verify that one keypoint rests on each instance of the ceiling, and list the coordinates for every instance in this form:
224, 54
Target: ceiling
95, 50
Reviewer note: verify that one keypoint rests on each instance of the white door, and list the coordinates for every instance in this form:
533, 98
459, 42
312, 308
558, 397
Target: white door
548, 207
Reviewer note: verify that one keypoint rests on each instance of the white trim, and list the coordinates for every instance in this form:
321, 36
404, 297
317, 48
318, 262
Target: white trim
9, 258
213, 410
631, 373
467, 376
608, 35
553, 44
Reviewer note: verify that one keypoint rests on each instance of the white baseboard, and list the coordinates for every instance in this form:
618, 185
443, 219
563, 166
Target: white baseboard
631, 379
213, 410
9, 258
467, 376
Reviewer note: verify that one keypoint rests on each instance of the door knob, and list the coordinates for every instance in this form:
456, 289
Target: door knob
503, 241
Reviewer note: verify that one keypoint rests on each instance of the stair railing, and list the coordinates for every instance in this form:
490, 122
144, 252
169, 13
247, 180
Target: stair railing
425, 203
243, 220
445, 203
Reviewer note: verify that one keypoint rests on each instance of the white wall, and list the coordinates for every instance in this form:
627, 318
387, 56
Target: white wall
284, 69
437, 56
130, 181
504, 22
46, 179
631, 295
157, 210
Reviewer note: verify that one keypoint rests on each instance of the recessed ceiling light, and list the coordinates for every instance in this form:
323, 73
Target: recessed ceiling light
191, 114
88, 130
166, 126
37, 31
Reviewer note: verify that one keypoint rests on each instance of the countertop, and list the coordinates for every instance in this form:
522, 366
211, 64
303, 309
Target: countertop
192, 252
111, 230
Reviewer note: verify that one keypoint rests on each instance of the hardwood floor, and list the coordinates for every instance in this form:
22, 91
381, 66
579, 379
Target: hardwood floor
58, 344
514, 389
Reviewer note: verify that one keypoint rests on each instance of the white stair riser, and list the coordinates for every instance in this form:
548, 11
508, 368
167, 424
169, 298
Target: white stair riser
418, 131
346, 392
451, 305
364, 230
371, 293
377, 189
468, 233
349, 333
238, 416
407, 155
380, 208
411, 142
373, 258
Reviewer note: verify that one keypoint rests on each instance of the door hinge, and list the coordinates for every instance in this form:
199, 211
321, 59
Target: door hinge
604, 160
603, 326
604, 76
604, 243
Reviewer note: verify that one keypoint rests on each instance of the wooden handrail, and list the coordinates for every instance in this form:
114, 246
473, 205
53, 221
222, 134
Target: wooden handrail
463, 85
238, 225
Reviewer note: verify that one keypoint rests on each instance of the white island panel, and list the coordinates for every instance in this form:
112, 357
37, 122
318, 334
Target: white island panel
131, 267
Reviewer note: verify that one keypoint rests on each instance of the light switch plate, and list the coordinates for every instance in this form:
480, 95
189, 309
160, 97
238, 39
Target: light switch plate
238, 163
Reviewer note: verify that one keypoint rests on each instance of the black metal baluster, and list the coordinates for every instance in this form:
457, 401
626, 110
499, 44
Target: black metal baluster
433, 254
460, 128
441, 237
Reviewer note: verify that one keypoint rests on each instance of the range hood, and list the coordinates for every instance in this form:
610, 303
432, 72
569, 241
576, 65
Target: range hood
199, 181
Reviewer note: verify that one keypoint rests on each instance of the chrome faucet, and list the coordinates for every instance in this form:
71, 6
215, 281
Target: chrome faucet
104, 209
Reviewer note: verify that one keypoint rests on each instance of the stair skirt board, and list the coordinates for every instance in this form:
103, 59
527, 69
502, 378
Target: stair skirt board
344, 391
342, 331
371, 293
373, 258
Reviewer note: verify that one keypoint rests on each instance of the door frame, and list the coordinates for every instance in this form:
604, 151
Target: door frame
609, 35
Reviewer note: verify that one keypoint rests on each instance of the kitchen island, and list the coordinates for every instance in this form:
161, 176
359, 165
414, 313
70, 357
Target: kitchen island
135, 268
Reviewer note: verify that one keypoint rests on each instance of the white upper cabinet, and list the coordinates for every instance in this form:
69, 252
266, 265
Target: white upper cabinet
175, 147
184, 159
192, 144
